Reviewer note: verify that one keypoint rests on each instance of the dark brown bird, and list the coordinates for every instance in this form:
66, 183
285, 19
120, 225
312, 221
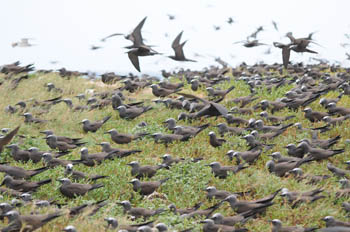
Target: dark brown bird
121, 138
275, 119
22, 185
52, 162
72, 190
311, 179
142, 50
280, 169
143, 171
146, 187
116, 152
314, 116
224, 128
223, 171
7, 138
210, 226
319, 153
277, 227
28, 118
248, 156
133, 112
77, 175
51, 140
139, 212
285, 52
18, 154
332, 222
169, 138
214, 141
62, 138
21, 173
178, 48
219, 93
175, 210
162, 92
219, 219
94, 126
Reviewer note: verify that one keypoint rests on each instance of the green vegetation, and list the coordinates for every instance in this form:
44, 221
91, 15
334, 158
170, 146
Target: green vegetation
187, 180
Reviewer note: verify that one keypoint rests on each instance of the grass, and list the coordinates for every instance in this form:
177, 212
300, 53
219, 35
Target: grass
187, 180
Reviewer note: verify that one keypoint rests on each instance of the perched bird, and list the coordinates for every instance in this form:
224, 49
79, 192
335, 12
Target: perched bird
139, 212
72, 190
121, 138
93, 126
21, 173
332, 222
143, 171
210, 226
278, 227
23, 185
77, 175
133, 112
214, 141
223, 171
146, 187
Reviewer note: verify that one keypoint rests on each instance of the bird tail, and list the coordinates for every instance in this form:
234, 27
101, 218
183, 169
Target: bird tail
80, 144
340, 95
147, 108
289, 117
310, 100
203, 127
98, 177
159, 211
38, 170
338, 151
44, 182
105, 119
125, 154
52, 216
61, 153
230, 89
96, 186
140, 135
310, 229
164, 180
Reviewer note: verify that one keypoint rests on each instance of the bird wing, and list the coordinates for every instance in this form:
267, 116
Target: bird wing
176, 41
136, 34
285, 56
5, 140
179, 52
112, 35
195, 97
134, 60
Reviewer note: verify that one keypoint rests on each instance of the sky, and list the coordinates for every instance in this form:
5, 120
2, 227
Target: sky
64, 30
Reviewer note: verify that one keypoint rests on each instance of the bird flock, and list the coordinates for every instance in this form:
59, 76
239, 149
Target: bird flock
266, 101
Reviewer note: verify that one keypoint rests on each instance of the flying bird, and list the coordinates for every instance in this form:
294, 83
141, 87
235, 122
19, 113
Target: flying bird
178, 48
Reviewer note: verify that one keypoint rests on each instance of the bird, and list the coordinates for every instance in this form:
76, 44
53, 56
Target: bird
278, 227
169, 138
141, 50
178, 48
138, 212
133, 112
121, 138
93, 126
146, 187
214, 141
28, 118
21, 173
143, 171
248, 156
332, 222
77, 175
23, 185
210, 226
223, 171
69, 229
72, 190
7, 138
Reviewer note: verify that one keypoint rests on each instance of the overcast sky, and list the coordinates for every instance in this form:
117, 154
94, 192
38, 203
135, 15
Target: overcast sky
64, 30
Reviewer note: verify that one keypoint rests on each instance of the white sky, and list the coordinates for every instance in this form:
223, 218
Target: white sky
64, 30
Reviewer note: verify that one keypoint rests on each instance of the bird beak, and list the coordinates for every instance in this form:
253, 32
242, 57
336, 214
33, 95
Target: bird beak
105, 133
208, 165
3, 183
